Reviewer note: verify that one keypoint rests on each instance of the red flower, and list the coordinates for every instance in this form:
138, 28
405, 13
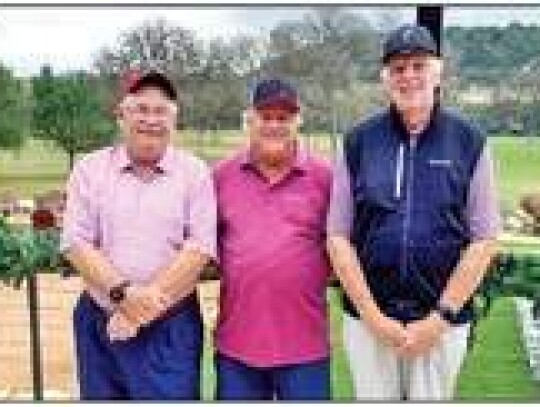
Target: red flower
43, 219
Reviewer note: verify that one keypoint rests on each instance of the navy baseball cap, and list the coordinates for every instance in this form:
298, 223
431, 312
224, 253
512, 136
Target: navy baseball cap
408, 39
135, 80
275, 92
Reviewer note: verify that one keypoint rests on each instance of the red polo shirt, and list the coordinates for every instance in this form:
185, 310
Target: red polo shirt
272, 254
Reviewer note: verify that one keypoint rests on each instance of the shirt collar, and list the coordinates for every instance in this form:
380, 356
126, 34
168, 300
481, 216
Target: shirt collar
124, 162
245, 159
399, 125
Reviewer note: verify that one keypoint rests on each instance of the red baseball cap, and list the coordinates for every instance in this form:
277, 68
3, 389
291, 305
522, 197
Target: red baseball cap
134, 80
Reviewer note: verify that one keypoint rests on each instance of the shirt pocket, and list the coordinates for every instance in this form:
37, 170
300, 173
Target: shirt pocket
300, 210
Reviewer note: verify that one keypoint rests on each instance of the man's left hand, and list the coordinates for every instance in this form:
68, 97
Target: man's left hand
423, 335
143, 304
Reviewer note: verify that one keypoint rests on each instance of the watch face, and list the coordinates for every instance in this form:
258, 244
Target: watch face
447, 314
117, 294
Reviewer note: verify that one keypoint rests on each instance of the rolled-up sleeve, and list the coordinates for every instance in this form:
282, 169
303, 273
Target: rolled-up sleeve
80, 221
202, 217
340, 213
483, 214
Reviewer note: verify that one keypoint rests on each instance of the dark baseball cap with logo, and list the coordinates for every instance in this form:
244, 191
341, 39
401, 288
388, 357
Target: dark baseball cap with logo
134, 80
408, 39
275, 92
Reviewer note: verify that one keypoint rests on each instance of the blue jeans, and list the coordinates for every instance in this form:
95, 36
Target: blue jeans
161, 363
305, 381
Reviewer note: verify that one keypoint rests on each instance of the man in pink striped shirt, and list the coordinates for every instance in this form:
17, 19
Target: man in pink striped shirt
272, 333
139, 226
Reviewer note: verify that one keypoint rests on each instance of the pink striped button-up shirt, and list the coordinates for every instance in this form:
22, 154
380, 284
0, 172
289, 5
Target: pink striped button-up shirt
139, 225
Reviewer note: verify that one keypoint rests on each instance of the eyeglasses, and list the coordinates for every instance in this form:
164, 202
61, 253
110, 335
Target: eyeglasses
141, 109
157, 111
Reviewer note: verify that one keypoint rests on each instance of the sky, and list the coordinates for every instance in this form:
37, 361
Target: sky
69, 38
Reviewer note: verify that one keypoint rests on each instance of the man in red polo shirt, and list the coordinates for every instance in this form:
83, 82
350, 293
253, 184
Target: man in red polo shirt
272, 334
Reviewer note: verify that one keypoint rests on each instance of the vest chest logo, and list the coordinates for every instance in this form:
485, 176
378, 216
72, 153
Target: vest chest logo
440, 163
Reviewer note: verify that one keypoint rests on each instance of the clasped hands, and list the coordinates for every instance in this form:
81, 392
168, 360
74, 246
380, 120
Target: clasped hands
409, 340
142, 305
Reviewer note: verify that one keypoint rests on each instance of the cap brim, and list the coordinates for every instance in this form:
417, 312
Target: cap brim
408, 52
288, 106
281, 102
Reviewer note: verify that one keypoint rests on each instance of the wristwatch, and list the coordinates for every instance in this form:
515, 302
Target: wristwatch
447, 313
118, 292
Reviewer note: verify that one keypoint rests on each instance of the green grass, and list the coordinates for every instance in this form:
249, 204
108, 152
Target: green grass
342, 384
496, 368
37, 159
39, 166
517, 167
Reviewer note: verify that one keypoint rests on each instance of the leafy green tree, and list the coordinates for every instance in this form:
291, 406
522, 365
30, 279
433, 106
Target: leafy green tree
68, 109
12, 110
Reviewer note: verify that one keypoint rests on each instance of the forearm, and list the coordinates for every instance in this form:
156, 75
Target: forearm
469, 272
180, 277
349, 272
93, 267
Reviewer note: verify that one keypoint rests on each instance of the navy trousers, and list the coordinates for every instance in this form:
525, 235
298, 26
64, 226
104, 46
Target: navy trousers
163, 362
305, 381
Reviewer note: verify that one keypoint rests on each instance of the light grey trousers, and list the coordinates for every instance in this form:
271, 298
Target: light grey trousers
379, 374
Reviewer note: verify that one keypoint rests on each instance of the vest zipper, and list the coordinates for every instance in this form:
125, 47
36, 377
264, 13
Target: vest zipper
399, 171
404, 272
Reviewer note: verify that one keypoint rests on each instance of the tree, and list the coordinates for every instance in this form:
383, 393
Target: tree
68, 109
12, 110
326, 52
155, 44
219, 88
489, 53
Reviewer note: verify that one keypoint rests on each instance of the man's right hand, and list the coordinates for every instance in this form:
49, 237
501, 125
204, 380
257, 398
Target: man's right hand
143, 304
119, 328
389, 331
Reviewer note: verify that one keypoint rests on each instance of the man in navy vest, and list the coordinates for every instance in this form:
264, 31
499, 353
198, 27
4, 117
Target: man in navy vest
411, 231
